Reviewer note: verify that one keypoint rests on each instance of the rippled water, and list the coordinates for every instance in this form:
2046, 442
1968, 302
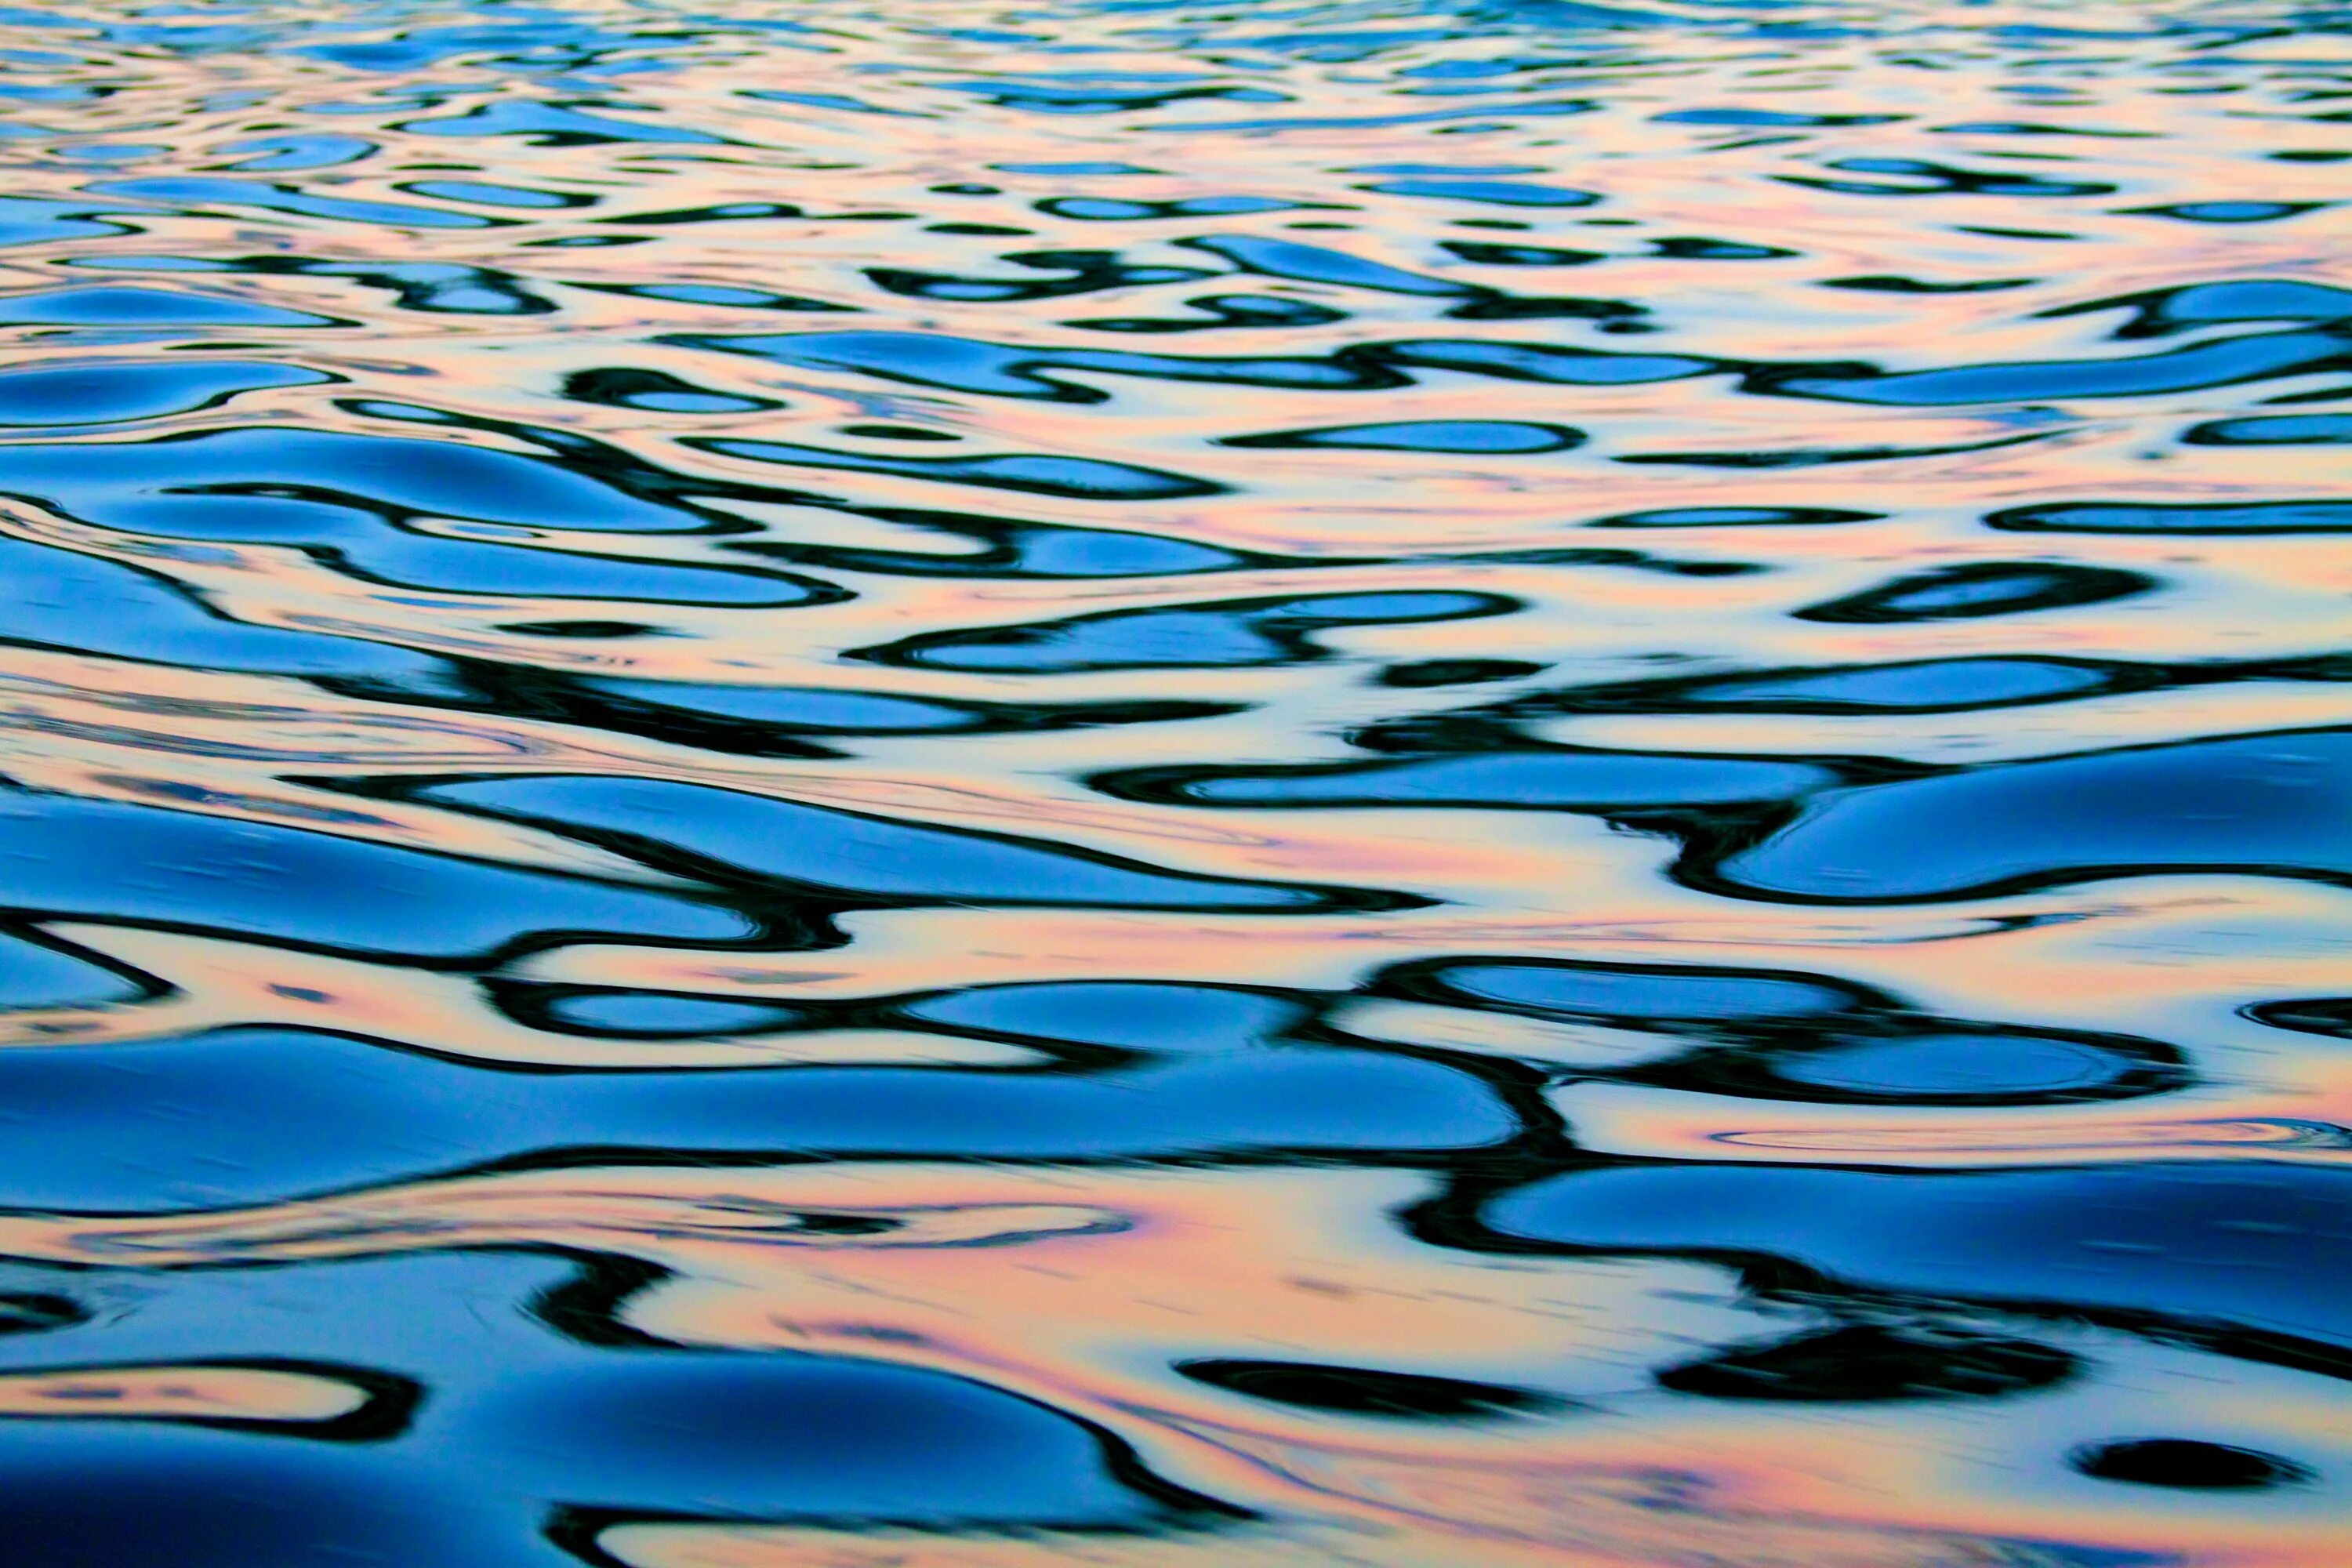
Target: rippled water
804, 786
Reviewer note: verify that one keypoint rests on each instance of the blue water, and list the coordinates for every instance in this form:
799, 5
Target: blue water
817, 785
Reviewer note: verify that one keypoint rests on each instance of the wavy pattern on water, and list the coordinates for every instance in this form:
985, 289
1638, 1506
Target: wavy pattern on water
1373, 783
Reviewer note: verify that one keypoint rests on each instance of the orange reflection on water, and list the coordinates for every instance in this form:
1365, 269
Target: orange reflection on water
1084, 1288
1791, 210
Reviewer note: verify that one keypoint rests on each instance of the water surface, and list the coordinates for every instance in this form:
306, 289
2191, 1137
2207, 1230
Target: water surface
797, 785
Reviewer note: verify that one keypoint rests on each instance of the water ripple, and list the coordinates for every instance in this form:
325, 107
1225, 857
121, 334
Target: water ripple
1486, 781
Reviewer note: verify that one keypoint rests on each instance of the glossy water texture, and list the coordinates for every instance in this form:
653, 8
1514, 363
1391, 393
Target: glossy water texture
1120, 782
